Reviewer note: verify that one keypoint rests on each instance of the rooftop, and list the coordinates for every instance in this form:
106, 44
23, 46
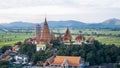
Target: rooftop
72, 60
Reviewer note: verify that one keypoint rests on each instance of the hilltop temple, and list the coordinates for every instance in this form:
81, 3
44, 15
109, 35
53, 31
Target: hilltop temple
43, 36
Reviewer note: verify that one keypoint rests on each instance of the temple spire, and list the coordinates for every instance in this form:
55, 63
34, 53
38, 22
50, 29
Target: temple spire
36, 30
45, 33
67, 36
45, 22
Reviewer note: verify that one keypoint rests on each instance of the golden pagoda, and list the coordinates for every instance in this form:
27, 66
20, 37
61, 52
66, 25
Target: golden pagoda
45, 34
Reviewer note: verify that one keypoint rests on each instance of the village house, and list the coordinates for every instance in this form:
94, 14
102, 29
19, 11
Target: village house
15, 48
21, 59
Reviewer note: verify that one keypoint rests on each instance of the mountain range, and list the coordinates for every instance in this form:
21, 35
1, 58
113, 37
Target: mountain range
107, 24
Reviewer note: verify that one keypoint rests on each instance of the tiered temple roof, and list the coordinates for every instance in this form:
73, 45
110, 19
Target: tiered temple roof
45, 33
67, 36
80, 38
43, 36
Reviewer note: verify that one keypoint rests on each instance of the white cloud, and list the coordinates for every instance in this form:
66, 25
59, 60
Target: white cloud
83, 10
52, 10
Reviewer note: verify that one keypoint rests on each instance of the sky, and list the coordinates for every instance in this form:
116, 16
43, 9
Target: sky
89, 11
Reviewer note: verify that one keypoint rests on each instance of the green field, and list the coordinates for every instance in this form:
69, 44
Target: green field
10, 38
109, 40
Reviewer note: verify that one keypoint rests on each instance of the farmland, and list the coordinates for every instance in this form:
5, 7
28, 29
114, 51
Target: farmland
10, 38
104, 36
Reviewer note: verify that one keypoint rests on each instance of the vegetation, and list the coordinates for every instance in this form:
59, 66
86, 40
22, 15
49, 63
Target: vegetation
10, 38
30, 50
104, 51
96, 53
4, 48
4, 64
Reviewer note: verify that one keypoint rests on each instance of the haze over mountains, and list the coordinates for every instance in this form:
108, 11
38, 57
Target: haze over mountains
108, 24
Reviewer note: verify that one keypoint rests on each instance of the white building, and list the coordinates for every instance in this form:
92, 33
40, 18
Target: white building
21, 59
40, 47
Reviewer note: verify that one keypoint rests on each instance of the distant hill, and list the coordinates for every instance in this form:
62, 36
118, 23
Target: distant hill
19, 25
110, 24
63, 24
113, 21
3, 28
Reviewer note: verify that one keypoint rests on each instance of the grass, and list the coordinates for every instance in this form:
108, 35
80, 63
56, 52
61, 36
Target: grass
9, 38
109, 40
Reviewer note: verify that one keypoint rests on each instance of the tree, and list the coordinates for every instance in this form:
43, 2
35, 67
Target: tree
91, 57
118, 59
18, 43
4, 64
4, 48
55, 43
28, 49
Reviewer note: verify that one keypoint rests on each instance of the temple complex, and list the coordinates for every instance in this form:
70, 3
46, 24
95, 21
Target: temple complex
43, 36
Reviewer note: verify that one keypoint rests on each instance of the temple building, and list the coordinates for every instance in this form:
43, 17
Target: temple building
65, 62
37, 32
79, 39
43, 36
91, 40
67, 38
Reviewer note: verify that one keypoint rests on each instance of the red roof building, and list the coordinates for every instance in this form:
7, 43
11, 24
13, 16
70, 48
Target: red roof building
69, 61
80, 39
